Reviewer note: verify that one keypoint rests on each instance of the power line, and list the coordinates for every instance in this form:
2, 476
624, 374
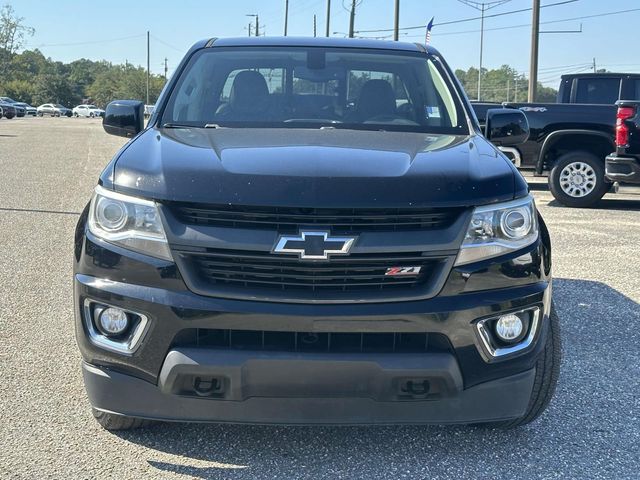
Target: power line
511, 12
604, 14
167, 44
90, 42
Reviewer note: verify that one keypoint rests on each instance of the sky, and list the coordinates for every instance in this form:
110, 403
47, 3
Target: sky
115, 30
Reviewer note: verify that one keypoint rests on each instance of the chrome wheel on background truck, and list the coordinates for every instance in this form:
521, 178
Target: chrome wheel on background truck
577, 179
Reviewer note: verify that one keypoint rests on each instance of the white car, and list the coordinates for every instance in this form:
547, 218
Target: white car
87, 111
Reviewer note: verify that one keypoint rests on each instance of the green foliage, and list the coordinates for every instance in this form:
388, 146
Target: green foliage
503, 84
12, 36
35, 79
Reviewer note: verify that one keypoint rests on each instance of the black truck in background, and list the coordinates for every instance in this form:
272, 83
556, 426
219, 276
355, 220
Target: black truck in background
570, 140
623, 165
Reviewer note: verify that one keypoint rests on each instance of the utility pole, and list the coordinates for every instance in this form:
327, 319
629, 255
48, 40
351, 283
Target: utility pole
594, 65
328, 17
535, 39
352, 18
286, 16
148, 64
257, 30
165, 69
250, 29
396, 21
315, 26
481, 48
482, 7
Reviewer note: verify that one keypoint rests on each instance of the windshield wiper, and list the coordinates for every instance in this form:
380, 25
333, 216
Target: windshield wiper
179, 125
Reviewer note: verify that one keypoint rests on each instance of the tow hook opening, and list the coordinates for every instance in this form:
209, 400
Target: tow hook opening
204, 386
414, 388
207, 386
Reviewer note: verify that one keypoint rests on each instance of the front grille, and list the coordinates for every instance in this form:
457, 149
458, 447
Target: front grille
264, 270
341, 220
321, 342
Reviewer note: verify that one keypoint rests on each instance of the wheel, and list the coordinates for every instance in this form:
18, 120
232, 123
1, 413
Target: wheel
75, 114
91, 115
111, 421
547, 373
577, 179
40, 114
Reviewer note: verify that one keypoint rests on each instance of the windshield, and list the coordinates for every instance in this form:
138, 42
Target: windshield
92, 106
313, 87
59, 106
8, 99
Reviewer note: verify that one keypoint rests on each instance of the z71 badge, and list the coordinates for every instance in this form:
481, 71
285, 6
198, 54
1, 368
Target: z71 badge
400, 271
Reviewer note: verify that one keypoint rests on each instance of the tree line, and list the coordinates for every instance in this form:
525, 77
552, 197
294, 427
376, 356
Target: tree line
504, 84
31, 77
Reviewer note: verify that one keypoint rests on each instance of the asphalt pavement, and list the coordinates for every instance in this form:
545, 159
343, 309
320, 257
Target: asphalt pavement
48, 167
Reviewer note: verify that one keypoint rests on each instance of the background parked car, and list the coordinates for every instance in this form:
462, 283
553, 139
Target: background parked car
87, 111
53, 109
28, 108
20, 111
148, 110
8, 110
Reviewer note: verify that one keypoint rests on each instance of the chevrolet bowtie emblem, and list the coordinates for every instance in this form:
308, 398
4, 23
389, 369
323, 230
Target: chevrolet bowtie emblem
313, 245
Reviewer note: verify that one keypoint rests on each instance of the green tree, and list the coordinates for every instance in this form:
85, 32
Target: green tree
504, 84
13, 33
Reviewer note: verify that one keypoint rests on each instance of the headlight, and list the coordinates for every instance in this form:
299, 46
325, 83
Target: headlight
498, 229
130, 222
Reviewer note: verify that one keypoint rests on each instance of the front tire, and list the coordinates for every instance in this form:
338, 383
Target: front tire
546, 379
577, 179
112, 421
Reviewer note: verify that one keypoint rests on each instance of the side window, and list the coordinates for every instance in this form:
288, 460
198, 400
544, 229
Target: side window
603, 91
636, 84
275, 78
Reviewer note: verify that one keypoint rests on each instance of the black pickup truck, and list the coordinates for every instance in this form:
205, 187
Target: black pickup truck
570, 139
623, 165
314, 231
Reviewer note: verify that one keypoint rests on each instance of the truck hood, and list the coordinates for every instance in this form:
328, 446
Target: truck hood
313, 168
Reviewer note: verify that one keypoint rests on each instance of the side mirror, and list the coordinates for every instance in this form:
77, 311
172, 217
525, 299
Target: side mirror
124, 118
506, 127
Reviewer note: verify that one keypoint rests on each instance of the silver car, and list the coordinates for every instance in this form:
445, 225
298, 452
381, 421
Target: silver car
53, 109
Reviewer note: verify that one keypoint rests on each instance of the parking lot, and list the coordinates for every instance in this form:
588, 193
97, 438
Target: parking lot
48, 167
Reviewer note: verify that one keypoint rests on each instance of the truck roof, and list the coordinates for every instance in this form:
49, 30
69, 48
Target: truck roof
599, 74
317, 42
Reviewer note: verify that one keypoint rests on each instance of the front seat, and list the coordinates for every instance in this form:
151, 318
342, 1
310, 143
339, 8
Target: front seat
376, 99
248, 99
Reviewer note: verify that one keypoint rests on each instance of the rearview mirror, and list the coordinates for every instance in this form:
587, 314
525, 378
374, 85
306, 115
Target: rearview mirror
124, 118
506, 127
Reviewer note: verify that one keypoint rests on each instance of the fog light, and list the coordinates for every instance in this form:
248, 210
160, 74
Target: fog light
113, 321
509, 327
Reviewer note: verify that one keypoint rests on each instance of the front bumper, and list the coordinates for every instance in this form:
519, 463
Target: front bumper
454, 383
115, 392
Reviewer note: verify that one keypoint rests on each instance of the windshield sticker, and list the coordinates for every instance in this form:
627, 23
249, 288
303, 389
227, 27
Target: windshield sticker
431, 112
